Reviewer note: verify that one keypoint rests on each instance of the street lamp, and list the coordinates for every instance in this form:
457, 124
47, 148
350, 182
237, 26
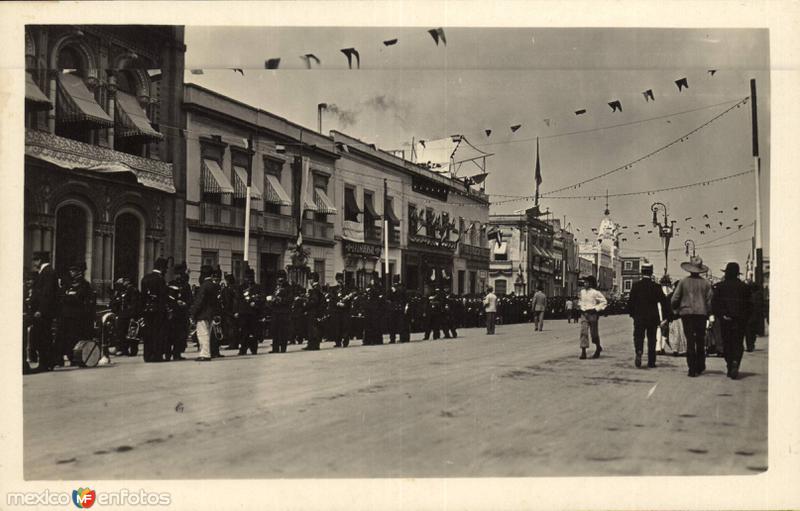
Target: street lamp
686, 244
665, 230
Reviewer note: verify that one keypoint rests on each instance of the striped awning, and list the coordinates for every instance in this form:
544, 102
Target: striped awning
132, 119
34, 97
214, 180
500, 249
323, 202
274, 192
77, 104
539, 251
388, 209
240, 185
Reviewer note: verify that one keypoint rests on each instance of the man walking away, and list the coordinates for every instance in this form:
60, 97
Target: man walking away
590, 302
204, 309
539, 306
43, 304
568, 305
643, 307
154, 302
490, 305
692, 302
731, 306
756, 315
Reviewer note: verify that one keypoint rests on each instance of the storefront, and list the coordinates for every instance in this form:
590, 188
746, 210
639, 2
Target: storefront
428, 263
360, 260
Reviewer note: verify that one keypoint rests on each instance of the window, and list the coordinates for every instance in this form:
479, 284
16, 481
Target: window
460, 228
628, 265
319, 268
370, 215
273, 168
430, 223
239, 158
472, 282
217, 188
445, 232
461, 275
627, 285
500, 286
351, 209
321, 182
209, 258
237, 266
413, 220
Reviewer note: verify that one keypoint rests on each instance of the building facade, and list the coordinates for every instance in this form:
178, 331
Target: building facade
104, 181
291, 171
631, 271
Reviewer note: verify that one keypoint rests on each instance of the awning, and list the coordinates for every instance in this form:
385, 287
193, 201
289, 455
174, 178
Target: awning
275, 194
388, 209
539, 252
214, 180
369, 207
353, 231
133, 121
34, 97
77, 104
501, 249
350, 202
240, 185
323, 202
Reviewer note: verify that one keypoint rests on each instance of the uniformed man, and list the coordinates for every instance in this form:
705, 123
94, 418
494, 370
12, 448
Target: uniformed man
228, 299
298, 312
454, 313
373, 307
315, 312
433, 315
338, 310
179, 298
75, 312
281, 303
250, 312
126, 306
154, 312
399, 320
43, 307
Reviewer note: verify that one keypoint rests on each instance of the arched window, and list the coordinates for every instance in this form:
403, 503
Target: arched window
133, 130
73, 243
128, 245
78, 114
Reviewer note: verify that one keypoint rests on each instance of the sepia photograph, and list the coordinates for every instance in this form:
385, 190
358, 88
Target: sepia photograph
289, 252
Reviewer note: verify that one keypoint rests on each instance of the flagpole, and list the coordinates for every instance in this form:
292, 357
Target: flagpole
537, 176
387, 277
757, 172
247, 204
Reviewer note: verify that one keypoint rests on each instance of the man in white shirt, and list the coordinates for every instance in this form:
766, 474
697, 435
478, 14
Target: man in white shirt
590, 303
539, 306
568, 310
490, 304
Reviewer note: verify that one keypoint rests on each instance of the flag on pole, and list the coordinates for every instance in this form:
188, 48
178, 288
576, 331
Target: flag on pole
538, 176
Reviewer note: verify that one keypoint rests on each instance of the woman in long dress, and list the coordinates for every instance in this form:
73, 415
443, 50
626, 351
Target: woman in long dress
675, 340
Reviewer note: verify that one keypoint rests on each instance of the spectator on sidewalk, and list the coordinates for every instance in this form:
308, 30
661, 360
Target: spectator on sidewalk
539, 305
568, 306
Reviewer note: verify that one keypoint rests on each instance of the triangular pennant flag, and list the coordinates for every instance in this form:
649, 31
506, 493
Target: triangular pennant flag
615, 105
390, 42
488, 132
712, 72
422, 143
515, 127
237, 70
682, 83
350, 53
272, 63
705, 216
455, 138
196, 71
437, 34
736, 208
687, 219
580, 112
648, 95
308, 57
547, 121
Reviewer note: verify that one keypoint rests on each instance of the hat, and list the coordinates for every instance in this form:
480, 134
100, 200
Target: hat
732, 269
340, 276
314, 277
180, 267
205, 272
282, 274
249, 273
694, 265
665, 280
591, 280
41, 256
647, 269
396, 279
160, 264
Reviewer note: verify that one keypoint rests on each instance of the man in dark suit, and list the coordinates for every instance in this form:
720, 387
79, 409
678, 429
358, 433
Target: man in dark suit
643, 303
43, 304
731, 305
154, 302
76, 305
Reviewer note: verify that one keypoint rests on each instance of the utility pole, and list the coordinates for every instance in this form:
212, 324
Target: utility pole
759, 259
251, 152
387, 278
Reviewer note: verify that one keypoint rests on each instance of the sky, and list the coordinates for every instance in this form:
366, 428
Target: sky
486, 78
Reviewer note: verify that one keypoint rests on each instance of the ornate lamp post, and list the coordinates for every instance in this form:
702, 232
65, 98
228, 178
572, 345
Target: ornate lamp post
686, 244
665, 230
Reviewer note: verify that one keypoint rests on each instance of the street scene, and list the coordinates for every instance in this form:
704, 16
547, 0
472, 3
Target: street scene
395, 252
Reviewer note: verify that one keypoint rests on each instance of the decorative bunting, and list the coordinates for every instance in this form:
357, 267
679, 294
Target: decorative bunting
687, 219
648, 95
196, 71
736, 208
705, 216
580, 112
515, 127
547, 121
712, 72
615, 105
702, 232
390, 42
272, 63
488, 132
682, 83
422, 143
308, 57
350, 53
438, 33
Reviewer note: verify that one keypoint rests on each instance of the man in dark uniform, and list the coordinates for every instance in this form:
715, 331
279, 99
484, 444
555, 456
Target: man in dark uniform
154, 304
338, 306
454, 313
228, 297
75, 312
125, 305
281, 304
205, 309
43, 306
731, 305
399, 320
250, 311
179, 298
373, 306
298, 313
643, 303
315, 311
433, 315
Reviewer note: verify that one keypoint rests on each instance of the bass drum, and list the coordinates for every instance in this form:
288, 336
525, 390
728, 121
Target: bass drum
86, 354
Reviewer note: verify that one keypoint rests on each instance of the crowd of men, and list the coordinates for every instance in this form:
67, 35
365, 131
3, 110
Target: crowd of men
221, 313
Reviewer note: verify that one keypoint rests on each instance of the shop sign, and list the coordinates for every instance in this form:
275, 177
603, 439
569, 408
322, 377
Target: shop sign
426, 241
362, 249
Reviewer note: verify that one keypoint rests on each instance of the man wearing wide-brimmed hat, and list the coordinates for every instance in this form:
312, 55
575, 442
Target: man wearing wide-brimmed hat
731, 307
692, 302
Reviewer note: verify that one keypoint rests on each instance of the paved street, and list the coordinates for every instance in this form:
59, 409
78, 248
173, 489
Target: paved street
516, 404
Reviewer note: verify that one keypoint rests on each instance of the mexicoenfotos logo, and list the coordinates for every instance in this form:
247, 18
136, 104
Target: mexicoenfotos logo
83, 498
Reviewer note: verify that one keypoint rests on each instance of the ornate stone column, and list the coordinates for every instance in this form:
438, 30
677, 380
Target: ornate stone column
111, 108
52, 76
97, 259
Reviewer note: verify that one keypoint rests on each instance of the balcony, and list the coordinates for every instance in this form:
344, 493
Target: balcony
321, 232
277, 225
474, 252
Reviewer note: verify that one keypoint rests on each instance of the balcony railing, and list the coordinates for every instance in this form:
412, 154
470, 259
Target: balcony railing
373, 234
280, 225
318, 231
474, 252
230, 217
